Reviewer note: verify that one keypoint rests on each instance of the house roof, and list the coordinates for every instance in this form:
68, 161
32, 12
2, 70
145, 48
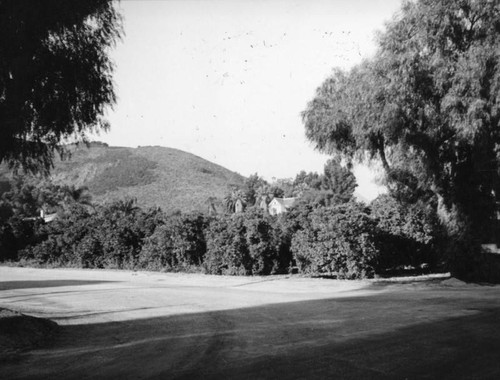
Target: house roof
49, 217
285, 202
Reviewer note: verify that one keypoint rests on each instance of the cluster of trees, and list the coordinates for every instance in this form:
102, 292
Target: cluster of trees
335, 185
427, 107
21, 202
345, 239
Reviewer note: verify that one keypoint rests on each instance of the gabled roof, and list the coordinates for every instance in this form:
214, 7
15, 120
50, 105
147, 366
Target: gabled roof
285, 202
49, 217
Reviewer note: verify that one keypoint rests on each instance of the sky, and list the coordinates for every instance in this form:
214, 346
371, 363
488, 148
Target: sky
227, 80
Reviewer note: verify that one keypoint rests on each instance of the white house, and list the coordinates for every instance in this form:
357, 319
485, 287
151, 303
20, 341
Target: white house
280, 205
47, 217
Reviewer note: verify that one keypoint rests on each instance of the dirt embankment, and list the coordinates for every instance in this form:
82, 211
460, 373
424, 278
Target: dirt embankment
19, 332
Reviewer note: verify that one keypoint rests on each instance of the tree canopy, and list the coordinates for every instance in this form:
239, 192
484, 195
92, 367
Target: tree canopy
336, 185
55, 75
427, 106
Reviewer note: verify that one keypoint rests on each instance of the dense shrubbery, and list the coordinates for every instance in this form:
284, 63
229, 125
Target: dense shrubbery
344, 240
15, 235
340, 241
246, 243
110, 236
176, 244
408, 234
227, 252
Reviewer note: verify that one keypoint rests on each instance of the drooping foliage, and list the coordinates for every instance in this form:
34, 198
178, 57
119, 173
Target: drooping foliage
408, 234
428, 107
55, 75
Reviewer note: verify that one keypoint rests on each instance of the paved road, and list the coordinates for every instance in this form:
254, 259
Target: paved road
141, 325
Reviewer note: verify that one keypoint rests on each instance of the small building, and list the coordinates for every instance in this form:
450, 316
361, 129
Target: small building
280, 205
47, 217
238, 206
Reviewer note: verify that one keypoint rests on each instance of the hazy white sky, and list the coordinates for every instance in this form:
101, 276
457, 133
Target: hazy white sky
228, 79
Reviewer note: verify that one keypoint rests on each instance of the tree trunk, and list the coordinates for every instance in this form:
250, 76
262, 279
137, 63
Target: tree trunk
462, 251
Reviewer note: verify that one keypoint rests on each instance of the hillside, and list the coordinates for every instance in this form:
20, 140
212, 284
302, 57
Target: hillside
155, 176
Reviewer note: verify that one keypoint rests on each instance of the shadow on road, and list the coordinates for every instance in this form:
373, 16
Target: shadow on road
379, 336
11, 285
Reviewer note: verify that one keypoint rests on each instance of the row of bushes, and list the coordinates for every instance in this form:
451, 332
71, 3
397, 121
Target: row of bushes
348, 240
245, 244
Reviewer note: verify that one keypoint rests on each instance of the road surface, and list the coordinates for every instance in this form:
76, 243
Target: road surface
140, 325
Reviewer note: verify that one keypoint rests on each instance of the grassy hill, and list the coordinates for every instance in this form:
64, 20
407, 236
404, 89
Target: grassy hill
155, 176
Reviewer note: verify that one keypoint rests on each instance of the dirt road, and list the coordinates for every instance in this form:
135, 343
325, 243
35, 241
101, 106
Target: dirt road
170, 326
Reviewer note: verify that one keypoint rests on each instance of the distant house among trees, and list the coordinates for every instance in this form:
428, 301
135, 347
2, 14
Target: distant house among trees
235, 201
47, 217
280, 205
